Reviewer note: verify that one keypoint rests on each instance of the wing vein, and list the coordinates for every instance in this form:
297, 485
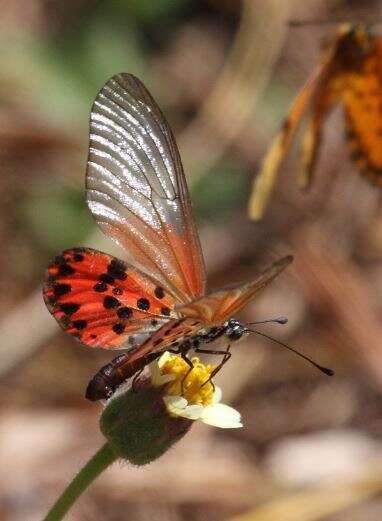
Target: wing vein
156, 168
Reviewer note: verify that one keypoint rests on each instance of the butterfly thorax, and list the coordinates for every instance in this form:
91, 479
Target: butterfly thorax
227, 333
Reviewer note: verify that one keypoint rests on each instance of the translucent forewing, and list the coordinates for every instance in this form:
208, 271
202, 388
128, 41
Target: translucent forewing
136, 187
222, 304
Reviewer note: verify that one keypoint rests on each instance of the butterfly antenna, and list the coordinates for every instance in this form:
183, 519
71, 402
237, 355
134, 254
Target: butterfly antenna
302, 23
324, 370
278, 320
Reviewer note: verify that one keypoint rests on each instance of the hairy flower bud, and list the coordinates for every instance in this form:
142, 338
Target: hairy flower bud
137, 424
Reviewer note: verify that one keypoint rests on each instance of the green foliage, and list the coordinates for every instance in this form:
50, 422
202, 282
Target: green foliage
219, 192
147, 10
73, 70
57, 216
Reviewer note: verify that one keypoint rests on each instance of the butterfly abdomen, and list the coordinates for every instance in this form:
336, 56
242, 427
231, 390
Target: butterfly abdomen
110, 376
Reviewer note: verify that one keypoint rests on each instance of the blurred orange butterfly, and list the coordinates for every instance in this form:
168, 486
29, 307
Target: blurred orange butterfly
350, 73
155, 300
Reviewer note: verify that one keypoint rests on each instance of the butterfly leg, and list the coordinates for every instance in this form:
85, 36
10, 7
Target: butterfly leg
135, 379
191, 366
226, 356
178, 351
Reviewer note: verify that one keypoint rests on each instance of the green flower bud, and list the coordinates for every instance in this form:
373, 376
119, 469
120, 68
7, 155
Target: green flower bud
138, 426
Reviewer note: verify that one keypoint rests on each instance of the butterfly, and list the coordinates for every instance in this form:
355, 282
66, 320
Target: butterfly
155, 299
350, 74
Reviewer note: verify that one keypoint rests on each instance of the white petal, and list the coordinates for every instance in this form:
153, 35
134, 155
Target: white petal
155, 374
192, 412
176, 402
163, 359
178, 406
221, 415
163, 379
157, 378
217, 394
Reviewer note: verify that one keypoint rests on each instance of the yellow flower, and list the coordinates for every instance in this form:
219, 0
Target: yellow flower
186, 393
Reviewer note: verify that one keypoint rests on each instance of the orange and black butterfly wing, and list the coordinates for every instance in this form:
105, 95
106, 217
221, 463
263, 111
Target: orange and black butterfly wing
103, 301
219, 305
136, 188
363, 114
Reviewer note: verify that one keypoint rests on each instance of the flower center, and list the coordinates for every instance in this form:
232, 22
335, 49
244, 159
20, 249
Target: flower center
189, 383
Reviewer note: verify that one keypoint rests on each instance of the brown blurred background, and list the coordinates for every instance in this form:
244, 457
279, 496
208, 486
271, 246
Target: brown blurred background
224, 73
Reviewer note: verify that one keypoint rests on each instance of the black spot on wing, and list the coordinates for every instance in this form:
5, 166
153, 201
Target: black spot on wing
159, 292
64, 270
69, 308
125, 312
111, 302
79, 324
143, 304
100, 287
106, 278
118, 328
117, 269
61, 289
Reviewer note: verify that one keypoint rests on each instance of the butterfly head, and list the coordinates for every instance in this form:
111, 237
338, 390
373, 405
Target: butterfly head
234, 330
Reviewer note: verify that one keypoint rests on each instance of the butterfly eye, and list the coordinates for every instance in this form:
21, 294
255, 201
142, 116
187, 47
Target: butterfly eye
235, 330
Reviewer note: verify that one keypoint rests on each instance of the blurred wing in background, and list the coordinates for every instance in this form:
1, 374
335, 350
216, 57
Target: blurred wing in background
222, 304
136, 187
363, 113
264, 181
349, 73
315, 90
325, 98
104, 302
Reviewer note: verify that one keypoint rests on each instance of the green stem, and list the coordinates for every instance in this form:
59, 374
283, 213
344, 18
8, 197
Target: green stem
93, 468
